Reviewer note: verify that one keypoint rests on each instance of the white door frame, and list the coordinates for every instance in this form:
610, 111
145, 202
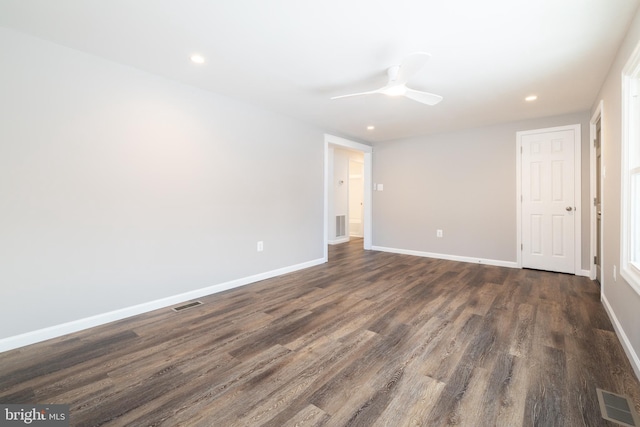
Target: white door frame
577, 188
597, 115
368, 189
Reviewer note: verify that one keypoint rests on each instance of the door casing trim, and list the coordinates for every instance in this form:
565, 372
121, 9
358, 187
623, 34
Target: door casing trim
598, 114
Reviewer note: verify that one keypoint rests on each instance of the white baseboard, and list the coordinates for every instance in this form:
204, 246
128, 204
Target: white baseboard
338, 241
622, 336
493, 262
39, 335
585, 273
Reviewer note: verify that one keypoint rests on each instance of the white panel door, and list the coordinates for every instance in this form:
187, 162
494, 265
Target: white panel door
548, 205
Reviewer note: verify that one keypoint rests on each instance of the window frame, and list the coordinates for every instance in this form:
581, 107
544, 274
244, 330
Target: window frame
630, 162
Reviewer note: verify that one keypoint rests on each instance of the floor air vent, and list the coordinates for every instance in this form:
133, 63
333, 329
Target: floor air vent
186, 306
617, 408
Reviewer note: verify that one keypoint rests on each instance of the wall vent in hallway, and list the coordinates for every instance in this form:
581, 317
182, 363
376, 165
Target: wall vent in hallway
617, 408
341, 225
185, 306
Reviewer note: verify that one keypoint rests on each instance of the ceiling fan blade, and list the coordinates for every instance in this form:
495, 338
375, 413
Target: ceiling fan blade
423, 97
410, 66
357, 94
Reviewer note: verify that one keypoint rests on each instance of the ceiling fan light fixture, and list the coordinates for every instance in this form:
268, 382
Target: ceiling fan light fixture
398, 90
531, 98
398, 76
197, 59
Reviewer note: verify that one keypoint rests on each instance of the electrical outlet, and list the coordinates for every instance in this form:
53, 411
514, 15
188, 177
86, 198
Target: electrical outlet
438, 233
260, 246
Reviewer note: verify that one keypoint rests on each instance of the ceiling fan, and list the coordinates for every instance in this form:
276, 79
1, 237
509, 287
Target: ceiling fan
399, 75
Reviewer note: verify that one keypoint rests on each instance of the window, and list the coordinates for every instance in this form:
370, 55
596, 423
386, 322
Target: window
630, 230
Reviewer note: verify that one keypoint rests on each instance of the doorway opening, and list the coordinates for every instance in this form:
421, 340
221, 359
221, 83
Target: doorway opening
346, 163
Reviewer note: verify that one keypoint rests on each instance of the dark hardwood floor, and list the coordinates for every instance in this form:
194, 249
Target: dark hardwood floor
368, 339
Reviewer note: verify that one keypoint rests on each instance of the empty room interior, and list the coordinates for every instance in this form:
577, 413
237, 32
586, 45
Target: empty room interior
282, 213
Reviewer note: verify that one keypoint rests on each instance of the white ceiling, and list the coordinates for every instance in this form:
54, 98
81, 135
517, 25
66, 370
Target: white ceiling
291, 56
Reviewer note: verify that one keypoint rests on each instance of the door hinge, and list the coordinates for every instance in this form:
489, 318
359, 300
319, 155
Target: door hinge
595, 260
521, 246
595, 201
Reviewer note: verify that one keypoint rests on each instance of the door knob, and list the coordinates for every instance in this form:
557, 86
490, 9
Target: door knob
569, 208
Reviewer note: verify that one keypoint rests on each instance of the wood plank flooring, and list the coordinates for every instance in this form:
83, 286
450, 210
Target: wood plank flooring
368, 339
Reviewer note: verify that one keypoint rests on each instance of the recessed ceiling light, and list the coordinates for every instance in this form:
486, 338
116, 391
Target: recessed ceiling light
198, 59
371, 127
531, 98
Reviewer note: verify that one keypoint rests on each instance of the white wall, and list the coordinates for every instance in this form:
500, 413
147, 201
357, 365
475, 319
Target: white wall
340, 186
356, 194
463, 183
622, 302
118, 187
